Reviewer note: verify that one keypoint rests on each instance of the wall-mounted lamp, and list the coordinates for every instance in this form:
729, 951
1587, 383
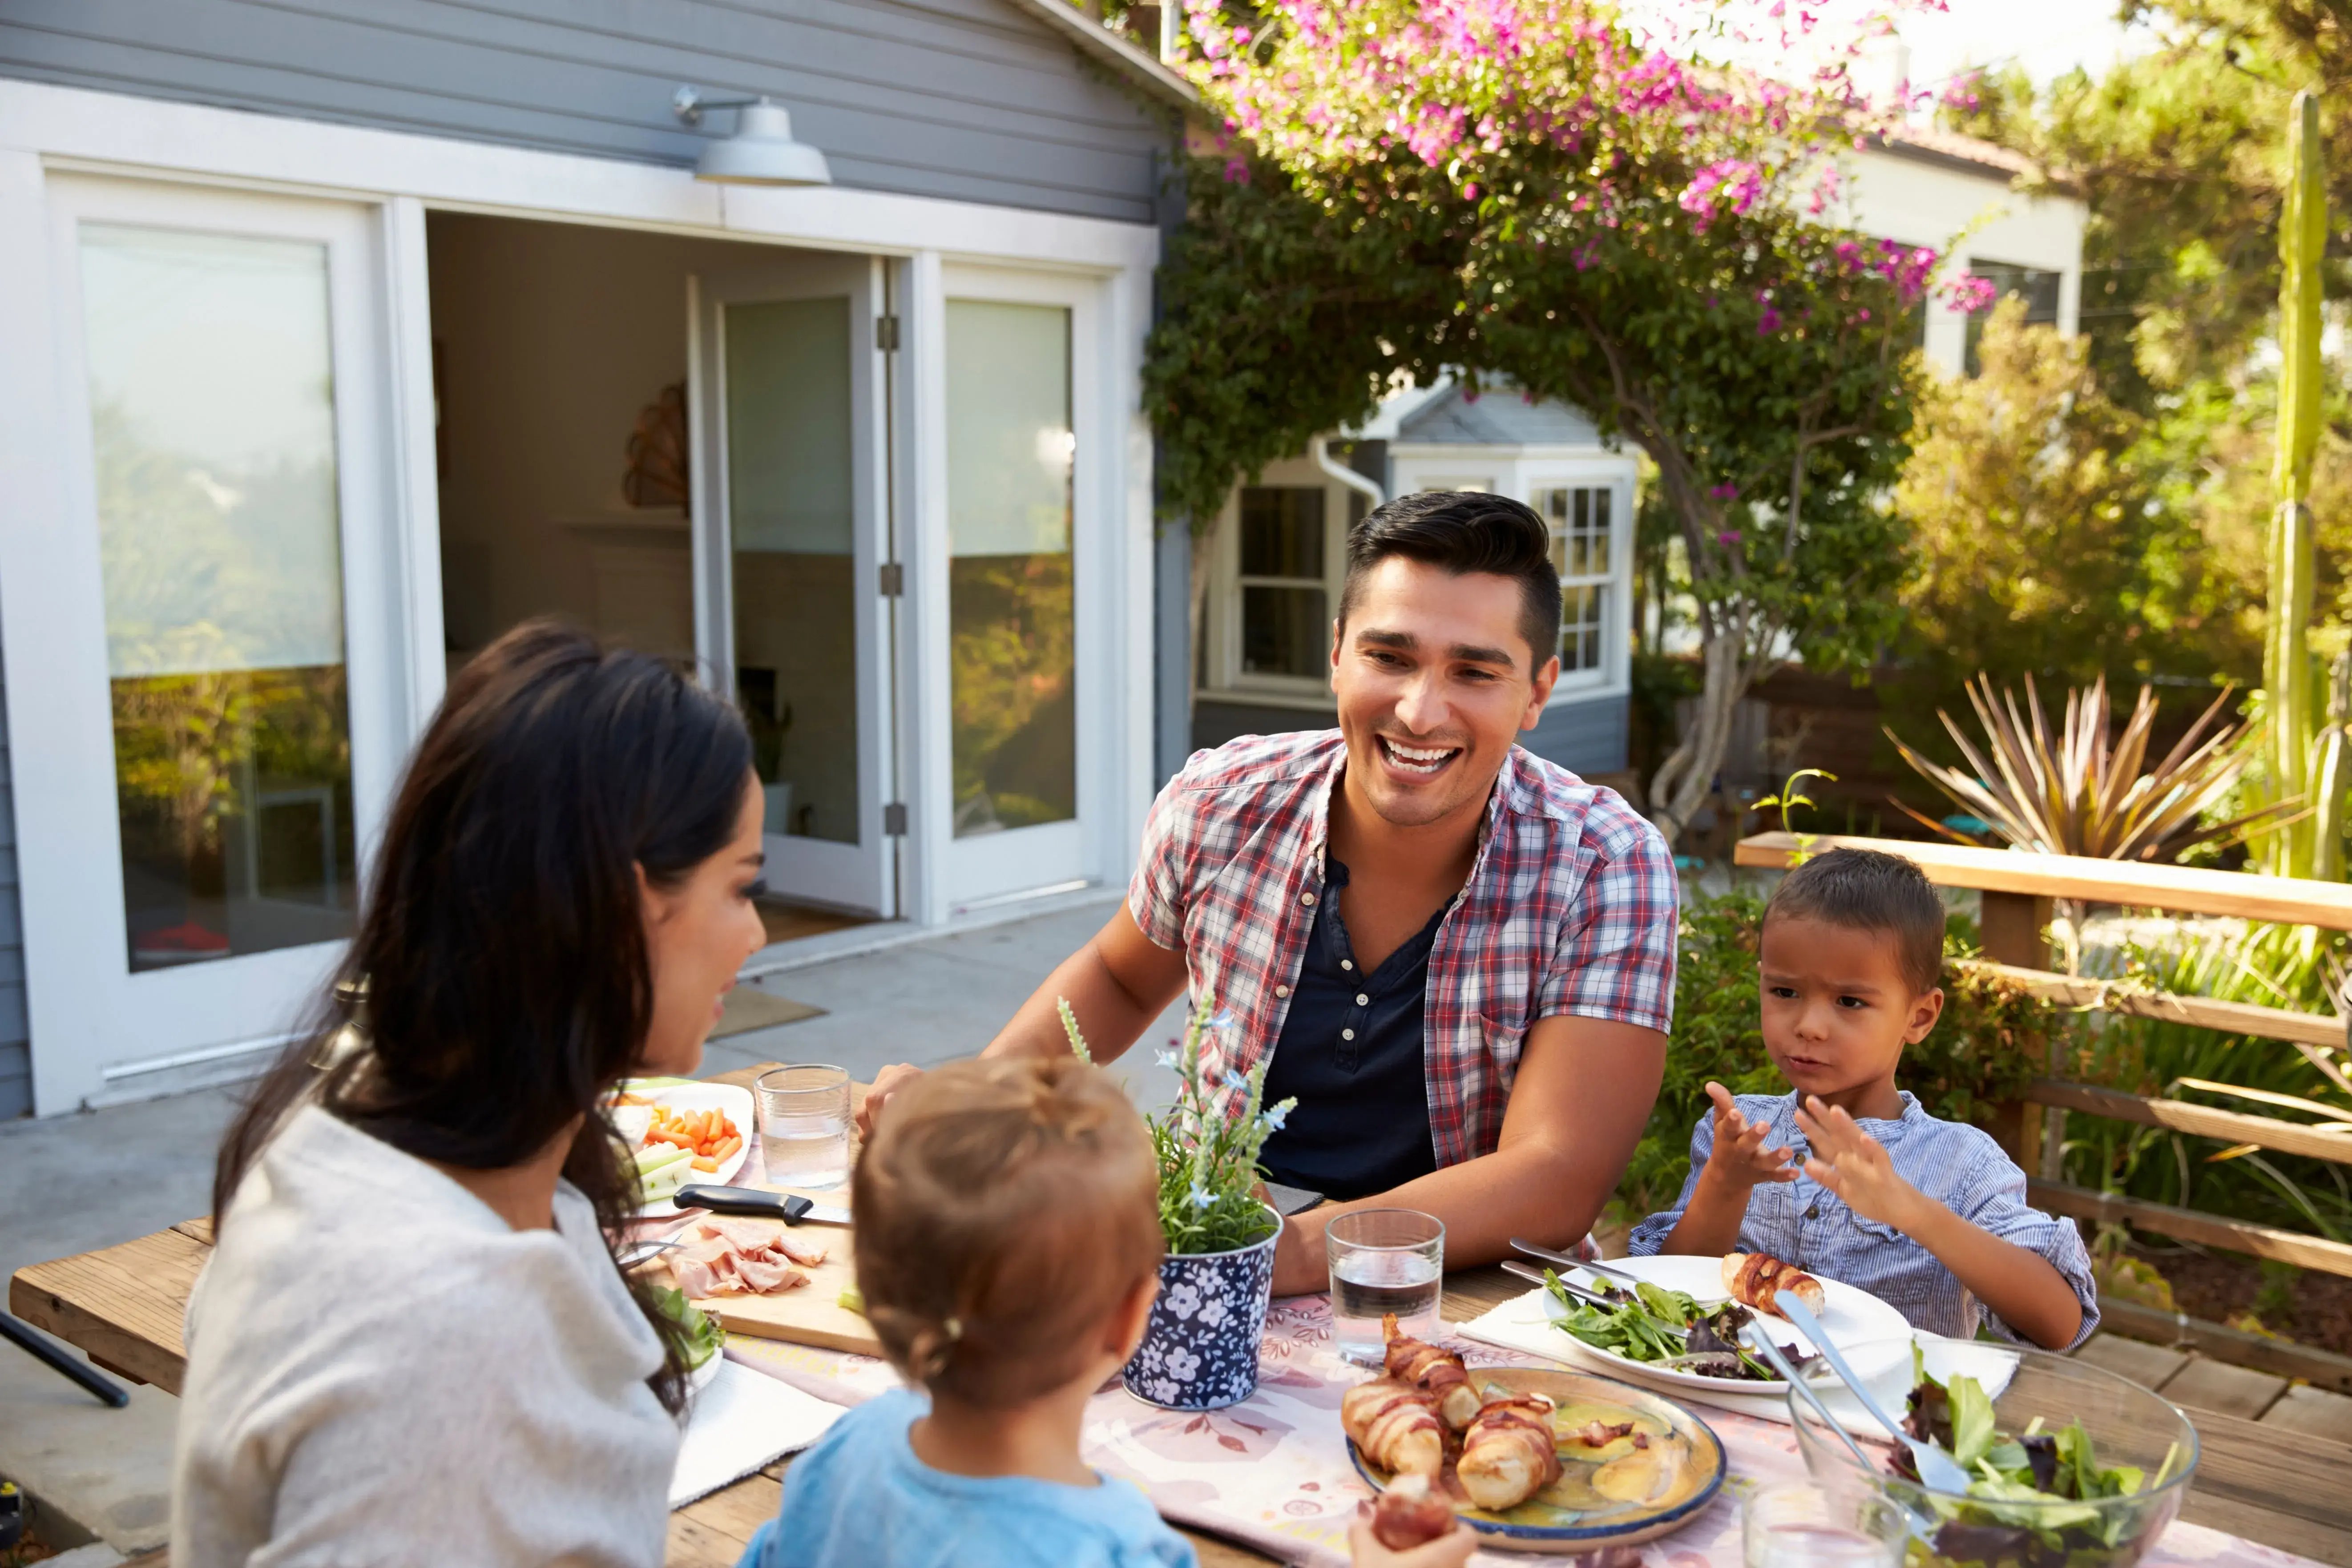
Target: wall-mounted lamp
761, 153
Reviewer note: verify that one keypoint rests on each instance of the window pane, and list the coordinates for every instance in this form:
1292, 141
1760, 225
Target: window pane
790, 518
1579, 523
1282, 532
2038, 288
1013, 681
1284, 631
1582, 629
212, 398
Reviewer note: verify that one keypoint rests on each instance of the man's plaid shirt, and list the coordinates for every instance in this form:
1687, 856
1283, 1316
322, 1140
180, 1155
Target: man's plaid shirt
1570, 907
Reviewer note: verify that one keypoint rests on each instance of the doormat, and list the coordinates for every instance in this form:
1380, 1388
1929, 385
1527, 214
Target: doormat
749, 1008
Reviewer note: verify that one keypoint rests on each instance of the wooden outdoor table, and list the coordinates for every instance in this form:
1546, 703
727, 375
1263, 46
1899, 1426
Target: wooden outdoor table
124, 1305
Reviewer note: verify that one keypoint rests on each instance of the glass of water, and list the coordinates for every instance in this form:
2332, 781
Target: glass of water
803, 1125
1803, 1524
1383, 1261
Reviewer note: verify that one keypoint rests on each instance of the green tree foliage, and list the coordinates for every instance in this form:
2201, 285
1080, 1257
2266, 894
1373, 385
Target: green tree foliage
2043, 544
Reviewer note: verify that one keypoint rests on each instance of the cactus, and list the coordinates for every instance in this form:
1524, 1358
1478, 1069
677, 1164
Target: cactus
2286, 656
2331, 775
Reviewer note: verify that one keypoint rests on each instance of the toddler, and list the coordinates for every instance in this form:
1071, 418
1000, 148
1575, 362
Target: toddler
1008, 1251
1846, 1176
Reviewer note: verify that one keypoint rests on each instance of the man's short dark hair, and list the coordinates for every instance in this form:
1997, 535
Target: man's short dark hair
1464, 531
1866, 890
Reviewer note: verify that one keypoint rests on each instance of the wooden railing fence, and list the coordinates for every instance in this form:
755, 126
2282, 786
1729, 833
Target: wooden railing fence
2019, 892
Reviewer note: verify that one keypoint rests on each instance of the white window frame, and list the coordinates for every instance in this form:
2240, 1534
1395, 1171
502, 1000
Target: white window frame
1221, 630
1614, 671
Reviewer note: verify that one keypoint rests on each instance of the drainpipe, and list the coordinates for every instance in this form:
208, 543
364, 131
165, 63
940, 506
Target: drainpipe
1320, 455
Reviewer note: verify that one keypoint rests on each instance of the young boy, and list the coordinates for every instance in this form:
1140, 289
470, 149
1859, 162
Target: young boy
1008, 1250
1846, 1176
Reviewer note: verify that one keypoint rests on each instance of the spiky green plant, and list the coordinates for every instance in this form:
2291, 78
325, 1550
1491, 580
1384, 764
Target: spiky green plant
2286, 655
2078, 790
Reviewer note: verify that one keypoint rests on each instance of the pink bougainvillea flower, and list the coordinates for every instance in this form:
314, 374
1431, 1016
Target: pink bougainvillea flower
1729, 537
1724, 491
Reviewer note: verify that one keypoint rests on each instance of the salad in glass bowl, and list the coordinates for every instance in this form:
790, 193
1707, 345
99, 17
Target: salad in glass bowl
2070, 1463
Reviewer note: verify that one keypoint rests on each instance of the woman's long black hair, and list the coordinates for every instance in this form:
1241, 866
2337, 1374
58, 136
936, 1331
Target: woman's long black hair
499, 980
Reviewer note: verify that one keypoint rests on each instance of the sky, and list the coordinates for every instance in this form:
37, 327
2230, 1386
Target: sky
2049, 37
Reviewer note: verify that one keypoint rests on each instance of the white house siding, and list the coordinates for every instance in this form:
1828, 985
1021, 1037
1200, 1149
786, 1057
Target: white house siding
16, 1053
977, 100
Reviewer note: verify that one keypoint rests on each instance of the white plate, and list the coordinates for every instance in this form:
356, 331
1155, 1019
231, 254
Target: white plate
1873, 1336
727, 1097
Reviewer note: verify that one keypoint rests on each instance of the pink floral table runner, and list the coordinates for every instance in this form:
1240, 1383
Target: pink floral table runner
1273, 1471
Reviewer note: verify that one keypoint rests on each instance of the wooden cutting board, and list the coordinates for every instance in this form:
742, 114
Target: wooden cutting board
811, 1314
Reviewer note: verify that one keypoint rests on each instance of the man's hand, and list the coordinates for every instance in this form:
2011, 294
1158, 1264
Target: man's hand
887, 1082
1740, 1160
1855, 1166
1301, 1268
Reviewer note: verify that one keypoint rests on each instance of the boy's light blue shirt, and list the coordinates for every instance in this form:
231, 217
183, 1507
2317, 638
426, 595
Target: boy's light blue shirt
1960, 1166
860, 1499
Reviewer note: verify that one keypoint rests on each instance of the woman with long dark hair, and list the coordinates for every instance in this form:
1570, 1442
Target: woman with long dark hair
413, 1343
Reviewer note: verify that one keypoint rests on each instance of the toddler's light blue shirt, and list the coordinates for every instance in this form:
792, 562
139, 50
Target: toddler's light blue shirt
860, 1499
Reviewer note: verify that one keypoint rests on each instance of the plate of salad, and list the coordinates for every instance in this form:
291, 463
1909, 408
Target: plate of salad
704, 1337
1677, 1327
2070, 1463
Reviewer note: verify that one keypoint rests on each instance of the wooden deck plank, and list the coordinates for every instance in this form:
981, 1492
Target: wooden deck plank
2234, 1235
122, 1305
2268, 1526
2246, 1462
739, 1510
2132, 883
2215, 1385
2149, 1366
2314, 1411
2323, 1369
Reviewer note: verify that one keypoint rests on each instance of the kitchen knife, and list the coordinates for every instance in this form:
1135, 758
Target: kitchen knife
789, 1207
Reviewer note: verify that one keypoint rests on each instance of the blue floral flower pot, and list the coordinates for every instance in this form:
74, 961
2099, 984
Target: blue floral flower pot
1199, 1349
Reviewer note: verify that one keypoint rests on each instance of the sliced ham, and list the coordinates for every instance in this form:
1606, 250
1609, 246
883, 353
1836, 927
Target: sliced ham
757, 1235
736, 1258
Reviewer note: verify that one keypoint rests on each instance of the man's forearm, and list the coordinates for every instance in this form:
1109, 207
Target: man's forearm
1111, 1015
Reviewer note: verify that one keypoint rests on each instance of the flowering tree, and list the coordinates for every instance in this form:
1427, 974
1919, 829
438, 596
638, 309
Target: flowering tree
1553, 204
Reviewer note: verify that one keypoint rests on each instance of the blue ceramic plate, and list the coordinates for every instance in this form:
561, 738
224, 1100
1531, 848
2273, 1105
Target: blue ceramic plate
1617, 1495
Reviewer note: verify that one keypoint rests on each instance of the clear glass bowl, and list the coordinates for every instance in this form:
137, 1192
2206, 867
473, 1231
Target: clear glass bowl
2129, 1426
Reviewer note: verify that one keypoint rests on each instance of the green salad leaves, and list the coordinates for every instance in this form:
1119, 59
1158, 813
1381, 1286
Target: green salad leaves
2014, 1511
703, 1334
1651, 1324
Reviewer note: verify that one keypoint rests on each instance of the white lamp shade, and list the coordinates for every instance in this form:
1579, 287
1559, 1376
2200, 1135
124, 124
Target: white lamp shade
763, 153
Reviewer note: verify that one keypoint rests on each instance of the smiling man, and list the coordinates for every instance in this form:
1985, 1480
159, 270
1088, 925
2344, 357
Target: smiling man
1459, 957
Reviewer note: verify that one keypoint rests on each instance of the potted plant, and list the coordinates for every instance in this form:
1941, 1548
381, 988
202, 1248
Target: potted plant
1199, 1349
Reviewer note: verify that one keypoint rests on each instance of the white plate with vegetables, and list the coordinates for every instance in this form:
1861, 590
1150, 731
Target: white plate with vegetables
682, 1132
1676, 1304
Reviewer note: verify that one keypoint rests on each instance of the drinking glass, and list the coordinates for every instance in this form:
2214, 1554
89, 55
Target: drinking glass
1383, 1261
1803, 1524
804, 1124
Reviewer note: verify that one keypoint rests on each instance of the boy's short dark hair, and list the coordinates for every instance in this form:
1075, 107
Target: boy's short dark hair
1866, 890
1464, 531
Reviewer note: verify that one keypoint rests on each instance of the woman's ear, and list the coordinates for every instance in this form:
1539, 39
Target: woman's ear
653, 905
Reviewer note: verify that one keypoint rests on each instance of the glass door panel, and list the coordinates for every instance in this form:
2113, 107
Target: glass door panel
788, 540
211, 382
792, 521
1011, 623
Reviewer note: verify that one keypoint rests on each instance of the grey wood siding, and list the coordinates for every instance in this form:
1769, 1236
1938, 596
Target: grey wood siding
15, 1052
1586, 736
965, 98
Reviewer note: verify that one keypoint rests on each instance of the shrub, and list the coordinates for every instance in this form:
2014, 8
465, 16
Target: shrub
1991, 1040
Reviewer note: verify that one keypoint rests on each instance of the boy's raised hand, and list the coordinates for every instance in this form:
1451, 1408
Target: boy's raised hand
1449, 1549
1854, 1165
1739, 1158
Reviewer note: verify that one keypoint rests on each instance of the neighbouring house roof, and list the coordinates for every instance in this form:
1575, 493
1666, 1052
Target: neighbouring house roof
1969, 154
1498, 416
1114, 49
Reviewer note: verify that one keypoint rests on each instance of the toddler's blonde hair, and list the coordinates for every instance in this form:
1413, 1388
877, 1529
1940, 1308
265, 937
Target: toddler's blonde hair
1003, 1208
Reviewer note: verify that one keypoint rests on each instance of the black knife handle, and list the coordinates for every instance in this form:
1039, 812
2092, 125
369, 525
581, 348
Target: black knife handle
786, 1206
